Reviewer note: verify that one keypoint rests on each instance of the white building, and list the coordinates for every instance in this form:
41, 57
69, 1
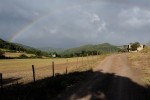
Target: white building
54, 55
140, 48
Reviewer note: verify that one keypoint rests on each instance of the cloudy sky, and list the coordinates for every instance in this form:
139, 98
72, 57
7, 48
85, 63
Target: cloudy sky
69, 23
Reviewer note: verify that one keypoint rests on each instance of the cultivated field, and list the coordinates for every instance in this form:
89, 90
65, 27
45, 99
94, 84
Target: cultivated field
20, 70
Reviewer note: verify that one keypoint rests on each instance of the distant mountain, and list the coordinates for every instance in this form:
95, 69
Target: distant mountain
103, 48
51, 49
82, 50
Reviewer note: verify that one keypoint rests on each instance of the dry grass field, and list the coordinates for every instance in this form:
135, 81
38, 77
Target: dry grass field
8, 53
17, 54
141, 60
20, 70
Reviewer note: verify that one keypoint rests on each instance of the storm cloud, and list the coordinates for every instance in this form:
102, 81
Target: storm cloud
69, 23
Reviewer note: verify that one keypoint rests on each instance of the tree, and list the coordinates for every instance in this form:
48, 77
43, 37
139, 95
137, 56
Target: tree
134, 46
23, 56
2, 54
38, 53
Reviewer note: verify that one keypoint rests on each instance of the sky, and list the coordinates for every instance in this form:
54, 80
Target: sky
72, 23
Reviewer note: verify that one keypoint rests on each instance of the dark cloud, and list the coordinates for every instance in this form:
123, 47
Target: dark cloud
69, 23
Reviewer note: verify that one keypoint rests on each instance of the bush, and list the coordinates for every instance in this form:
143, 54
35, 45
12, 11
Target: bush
2, 54
23, 56
134, 46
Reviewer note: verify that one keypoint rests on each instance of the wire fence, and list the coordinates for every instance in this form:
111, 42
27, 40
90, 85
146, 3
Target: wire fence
36, 73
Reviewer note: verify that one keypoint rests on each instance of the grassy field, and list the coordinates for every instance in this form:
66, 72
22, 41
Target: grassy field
17, 54
141, 60
17, 76
20, 69
9, 53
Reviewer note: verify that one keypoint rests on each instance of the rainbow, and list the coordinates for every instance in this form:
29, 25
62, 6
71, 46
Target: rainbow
34, 22
29, 26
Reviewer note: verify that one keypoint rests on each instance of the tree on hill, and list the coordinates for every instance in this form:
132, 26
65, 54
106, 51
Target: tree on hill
23, 56
89, 50
38, 53
134, 46
2, 54
14, 47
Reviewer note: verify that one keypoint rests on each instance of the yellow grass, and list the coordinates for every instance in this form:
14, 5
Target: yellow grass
24, 63
17, 54
141, 60
21, 68
8, 53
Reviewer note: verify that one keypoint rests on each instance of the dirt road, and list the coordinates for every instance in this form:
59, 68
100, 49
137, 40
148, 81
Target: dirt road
114, 79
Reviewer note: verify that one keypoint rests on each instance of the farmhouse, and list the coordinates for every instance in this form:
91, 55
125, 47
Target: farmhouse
54, 55
140, 48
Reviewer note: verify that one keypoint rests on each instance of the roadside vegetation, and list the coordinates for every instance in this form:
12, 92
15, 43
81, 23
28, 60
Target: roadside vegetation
141, 60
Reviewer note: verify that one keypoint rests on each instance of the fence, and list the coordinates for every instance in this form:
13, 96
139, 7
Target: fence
36, 73
1, 81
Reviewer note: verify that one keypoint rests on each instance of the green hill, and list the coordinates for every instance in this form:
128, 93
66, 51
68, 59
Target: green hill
15, 47
90, 49
78, 51
12, 47
51, 49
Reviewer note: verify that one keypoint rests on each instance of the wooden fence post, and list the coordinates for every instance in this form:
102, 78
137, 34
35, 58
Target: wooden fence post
67, 66
1, 81
82, 61
33, 73
53, 68
97, 55
87, 61
77, 63
93, 58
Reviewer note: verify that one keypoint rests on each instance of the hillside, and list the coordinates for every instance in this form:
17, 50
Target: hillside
90, 49
6, 47
25, 46
51, 49
78, 51
13, 46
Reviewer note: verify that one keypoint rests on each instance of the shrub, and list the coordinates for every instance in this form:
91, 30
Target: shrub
134, 46
2, 54
23, 56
